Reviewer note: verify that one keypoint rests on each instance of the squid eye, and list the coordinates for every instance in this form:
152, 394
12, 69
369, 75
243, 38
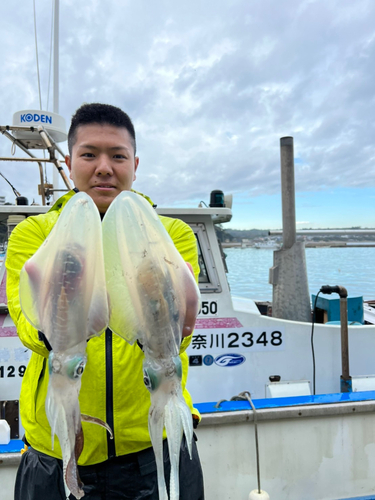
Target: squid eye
178, 365
150, 379
75, 367
79, 369
147, 380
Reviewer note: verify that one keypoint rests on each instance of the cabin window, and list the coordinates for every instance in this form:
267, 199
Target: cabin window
208, 277
203, 276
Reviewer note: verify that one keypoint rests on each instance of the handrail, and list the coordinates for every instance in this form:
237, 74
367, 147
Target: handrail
50, 145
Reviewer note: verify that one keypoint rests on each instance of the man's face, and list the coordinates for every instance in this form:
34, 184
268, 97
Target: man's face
102, 162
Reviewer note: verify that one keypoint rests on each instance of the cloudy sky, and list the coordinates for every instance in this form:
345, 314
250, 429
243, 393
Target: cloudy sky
212, 87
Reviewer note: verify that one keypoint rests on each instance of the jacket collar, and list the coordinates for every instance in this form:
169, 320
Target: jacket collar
63, 200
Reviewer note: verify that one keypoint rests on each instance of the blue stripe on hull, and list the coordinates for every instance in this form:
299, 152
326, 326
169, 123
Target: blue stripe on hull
371, 497
348, 397
14, 446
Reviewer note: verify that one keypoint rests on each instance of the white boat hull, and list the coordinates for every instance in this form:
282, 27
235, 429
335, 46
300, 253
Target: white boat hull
292, 360
306, 453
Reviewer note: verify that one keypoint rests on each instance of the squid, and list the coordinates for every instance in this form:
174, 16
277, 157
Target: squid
63, 295
154, 299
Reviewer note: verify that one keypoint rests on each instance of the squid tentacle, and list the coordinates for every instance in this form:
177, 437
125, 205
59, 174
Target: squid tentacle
155, 426
97, 421
186, 419
173, 427
71, 474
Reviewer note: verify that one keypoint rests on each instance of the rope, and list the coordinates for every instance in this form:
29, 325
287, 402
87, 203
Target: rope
11, 185
242, 396
45, 168
37, 57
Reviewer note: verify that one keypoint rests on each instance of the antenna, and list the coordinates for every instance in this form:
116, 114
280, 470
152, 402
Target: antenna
56, 82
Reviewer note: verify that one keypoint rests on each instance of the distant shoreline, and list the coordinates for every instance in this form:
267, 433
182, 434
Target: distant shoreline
311, 244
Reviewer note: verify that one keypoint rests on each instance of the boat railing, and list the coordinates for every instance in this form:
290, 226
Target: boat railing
46, 143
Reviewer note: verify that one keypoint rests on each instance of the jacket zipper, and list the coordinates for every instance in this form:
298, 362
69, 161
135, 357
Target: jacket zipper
109, 392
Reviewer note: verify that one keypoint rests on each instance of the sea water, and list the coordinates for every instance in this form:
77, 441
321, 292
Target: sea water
353, 268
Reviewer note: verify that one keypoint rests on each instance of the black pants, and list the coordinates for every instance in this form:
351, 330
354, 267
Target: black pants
131, 477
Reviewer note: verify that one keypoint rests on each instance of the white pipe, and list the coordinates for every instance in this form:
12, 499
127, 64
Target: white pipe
56, 84
56, 59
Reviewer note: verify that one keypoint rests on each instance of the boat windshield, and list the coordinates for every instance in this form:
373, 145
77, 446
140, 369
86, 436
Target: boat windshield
203, 276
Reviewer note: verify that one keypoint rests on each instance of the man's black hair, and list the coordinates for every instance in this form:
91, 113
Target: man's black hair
102, 114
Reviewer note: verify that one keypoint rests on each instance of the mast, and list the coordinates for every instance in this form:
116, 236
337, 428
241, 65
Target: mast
56, 83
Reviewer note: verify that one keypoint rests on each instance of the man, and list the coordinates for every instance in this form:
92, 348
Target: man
102, 163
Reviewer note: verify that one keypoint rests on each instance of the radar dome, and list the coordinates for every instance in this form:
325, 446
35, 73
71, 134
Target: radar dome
53, 123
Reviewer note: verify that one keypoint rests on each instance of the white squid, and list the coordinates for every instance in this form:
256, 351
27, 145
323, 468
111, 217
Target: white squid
63, 295
153, 296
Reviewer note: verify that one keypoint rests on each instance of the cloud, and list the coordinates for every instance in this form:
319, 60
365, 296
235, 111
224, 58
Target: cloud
211, 88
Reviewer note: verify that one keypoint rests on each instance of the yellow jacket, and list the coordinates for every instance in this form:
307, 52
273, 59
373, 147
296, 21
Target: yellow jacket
130, 402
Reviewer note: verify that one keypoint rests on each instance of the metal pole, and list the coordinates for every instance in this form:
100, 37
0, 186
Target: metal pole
346, 381
51, 150
28, 160
56, 59
55, 174
288, 192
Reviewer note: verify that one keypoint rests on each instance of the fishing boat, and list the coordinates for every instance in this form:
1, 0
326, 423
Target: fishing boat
277, 415
305, 439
